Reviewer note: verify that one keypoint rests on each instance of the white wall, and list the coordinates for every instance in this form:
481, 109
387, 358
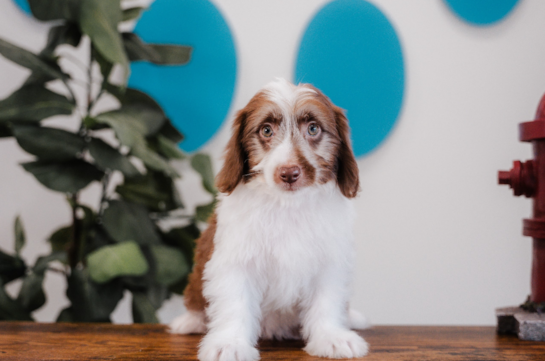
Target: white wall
438, 241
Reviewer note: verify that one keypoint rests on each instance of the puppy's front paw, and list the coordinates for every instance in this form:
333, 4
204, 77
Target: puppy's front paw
227, 350
342, 344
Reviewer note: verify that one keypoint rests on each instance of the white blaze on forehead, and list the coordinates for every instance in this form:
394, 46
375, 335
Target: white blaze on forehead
285, 94
280, 155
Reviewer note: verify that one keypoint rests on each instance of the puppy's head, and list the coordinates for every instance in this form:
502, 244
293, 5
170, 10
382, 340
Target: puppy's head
290, 137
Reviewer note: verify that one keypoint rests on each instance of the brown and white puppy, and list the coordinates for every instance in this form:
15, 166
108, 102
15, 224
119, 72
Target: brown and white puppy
276, 260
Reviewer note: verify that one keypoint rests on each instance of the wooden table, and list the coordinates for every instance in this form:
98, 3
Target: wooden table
33, 341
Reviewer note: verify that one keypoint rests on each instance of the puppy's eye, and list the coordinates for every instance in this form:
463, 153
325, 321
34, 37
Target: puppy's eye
267, 131
313, 129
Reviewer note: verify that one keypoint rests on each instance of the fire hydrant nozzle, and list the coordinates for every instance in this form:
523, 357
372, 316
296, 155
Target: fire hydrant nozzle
521, 178
504, 177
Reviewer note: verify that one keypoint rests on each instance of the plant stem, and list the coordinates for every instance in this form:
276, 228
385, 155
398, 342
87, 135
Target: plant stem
104, 196
74, 249
90, 83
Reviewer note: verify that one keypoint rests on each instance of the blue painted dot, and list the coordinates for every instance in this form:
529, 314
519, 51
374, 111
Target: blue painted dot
23, 4
351, 52
481, 12
195, 96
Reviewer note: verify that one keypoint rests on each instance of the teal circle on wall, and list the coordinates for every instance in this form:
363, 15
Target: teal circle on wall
482, 12
352, 53
23, 4
195, 96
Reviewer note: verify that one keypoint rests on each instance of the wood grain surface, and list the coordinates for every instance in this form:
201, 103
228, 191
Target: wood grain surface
34, 341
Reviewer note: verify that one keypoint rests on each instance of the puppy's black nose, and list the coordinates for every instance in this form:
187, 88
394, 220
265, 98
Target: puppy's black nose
290, 174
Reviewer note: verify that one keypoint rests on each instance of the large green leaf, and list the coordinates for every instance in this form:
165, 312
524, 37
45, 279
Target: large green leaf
107, 157
179, 287
31, 295
97, 237
5, 131
132, 124
91, 302
33, 102
55, 9
137, 283
142, 309
48, 143
131, 13
123, 259
66, 315
170, 132
39, 77
202, 164
19, 232
99, 20
43, 262
137, 50
139, 192
172, 54
157, 294
183, 238
131, 97
126, 221
10, 267
67, 33
11, 309
170, 264
29, 60
105, 65
68, 177
153, 160
153, 190
105, 299
158, 54
60, 238
167, 148
79, 292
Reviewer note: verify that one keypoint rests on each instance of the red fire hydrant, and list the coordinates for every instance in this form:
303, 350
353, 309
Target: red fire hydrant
528, 178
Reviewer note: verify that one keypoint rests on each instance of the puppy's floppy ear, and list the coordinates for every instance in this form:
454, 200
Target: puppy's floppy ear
235, 158
347, 168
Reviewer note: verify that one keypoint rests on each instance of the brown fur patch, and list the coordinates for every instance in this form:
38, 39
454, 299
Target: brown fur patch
348, 177
235, 156
345, 165
238, 152
193, 297
309, 172
327, 170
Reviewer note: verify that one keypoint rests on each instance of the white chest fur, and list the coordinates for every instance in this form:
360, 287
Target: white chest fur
280, 243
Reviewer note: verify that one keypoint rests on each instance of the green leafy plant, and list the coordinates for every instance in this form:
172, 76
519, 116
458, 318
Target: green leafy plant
120, 245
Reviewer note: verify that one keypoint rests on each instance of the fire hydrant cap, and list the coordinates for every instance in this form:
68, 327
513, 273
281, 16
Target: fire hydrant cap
533, 130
